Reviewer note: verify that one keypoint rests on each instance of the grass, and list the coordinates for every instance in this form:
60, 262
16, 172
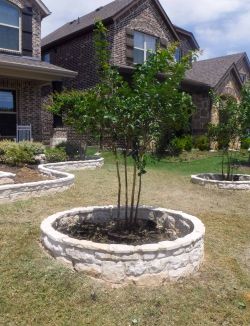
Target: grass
36, 290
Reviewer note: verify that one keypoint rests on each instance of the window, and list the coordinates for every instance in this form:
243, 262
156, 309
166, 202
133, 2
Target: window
144, 45
9, 26
46, 57
7, 101
178, 55
243, 77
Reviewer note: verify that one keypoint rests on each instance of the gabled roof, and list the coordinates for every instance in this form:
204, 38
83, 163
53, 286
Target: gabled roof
212, 71
44, 9
106, 13
190, 35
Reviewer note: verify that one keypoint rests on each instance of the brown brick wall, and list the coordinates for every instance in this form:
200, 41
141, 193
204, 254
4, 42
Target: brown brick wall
143, 17
185, 44
202, 116
28, 102
78, 53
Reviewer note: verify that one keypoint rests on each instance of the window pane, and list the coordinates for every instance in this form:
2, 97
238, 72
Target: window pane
7, 103
178, 55
150, 42
9, 38
139, 40
138, 56
9, 14
46, 57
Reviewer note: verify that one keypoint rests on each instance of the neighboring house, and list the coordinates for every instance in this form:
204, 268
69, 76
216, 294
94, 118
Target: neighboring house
224, 75
22, 73
134, 27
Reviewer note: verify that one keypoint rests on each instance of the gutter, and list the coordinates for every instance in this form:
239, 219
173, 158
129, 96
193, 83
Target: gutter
42, 70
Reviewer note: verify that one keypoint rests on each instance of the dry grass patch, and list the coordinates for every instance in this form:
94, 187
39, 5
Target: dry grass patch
36, 290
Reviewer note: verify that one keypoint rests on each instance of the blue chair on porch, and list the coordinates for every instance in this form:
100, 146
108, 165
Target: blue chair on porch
23, 133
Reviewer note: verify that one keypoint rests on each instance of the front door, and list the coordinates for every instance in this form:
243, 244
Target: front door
7, 114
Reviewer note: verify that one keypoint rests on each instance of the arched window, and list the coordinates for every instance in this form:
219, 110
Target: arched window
9, 26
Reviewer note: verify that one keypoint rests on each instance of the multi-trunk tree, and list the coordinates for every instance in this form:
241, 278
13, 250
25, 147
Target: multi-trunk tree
132, 114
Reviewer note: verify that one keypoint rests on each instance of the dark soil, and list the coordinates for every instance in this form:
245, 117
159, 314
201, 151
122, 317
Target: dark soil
112, 233
28, 173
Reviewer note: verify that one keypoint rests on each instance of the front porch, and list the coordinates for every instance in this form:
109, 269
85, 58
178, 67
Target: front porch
22, 81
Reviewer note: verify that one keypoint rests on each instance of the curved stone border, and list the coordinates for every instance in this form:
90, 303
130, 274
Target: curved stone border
6, 178
61, 180
203, 180
150, 264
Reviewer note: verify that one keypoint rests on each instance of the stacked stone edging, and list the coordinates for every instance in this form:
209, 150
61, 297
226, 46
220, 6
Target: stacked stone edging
150, 264
61, 182
202, 180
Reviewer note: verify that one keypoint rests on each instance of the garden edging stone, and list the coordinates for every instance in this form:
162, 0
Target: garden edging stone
118, 264
61, 182
210, 180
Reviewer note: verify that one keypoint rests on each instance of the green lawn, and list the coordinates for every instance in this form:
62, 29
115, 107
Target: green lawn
36, 290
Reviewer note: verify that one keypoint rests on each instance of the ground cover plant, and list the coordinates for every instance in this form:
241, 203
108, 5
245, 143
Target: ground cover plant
132, 114
37, 290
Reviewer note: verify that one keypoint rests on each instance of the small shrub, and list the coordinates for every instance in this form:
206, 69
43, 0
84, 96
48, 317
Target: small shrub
245, 143
34, 147
54, 155
178, 145
188, 143
12, 153
72, 150
202, 143
15, 154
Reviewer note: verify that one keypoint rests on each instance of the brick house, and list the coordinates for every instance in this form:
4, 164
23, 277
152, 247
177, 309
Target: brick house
22, 72
134, 27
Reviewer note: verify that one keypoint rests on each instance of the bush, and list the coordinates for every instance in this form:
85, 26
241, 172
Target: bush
72, 150
202, 143
188, 143
34, 147
12, 153
245, 143
54, 155
178, 145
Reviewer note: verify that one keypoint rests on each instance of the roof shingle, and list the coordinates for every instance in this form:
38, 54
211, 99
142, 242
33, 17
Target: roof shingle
211, 71
85, 21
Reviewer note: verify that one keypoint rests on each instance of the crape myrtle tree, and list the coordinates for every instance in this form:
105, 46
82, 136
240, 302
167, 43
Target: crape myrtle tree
234, 120
133, 115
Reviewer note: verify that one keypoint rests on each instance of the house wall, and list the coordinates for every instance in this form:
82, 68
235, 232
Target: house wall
202, 116
186, 46
28, 103
143, 17
243, 68
78, 53
36, 25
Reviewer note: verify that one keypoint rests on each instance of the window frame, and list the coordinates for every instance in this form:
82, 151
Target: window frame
19, 28
14, 111
145, 50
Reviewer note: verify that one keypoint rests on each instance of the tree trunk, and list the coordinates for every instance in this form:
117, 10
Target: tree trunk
133, 196
126, 186
119, 184
138, 199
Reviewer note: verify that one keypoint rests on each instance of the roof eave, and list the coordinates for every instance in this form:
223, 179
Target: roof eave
40, 70
74, 34
162, 11
190, 35
46, 11
236, 73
